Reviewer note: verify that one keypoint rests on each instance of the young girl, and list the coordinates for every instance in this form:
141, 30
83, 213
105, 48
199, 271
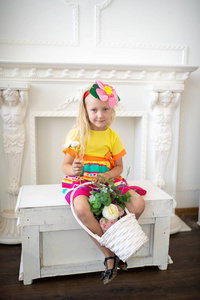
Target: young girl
100, 153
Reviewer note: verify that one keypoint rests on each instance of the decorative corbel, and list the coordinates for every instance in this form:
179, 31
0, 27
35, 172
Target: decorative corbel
13, 106
163, 102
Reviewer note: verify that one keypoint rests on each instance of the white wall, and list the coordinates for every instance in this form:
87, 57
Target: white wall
132, 32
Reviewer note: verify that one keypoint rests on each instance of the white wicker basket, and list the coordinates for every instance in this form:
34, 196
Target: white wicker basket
124, 238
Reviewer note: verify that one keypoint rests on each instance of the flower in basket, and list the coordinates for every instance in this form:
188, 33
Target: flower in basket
101, 203
110, 212
105, 224
120, 211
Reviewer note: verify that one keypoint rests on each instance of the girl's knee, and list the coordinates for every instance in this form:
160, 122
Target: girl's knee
80, 211
140, 208
136, 206
81, 208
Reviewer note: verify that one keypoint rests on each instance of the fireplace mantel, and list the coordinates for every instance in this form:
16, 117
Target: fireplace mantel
24, 71
27, 85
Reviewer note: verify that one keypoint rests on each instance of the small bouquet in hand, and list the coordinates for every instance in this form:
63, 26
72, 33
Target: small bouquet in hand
108, 204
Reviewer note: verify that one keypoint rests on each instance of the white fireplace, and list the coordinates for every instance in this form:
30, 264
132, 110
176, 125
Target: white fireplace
39, 105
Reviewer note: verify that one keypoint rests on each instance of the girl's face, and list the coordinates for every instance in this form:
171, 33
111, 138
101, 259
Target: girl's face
99, 113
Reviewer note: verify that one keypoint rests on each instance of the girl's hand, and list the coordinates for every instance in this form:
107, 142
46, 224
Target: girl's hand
77, 167
102, 178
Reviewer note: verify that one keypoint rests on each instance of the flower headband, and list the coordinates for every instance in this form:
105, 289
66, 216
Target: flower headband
103, 92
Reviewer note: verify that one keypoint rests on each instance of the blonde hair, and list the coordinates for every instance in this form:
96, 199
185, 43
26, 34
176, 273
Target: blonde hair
82, 125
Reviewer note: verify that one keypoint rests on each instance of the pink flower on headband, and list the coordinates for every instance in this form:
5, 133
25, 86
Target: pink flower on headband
106, 92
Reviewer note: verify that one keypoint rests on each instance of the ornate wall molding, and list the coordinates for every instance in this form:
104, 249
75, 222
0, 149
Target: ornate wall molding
183, 49
98, 9
74, 42
84, 72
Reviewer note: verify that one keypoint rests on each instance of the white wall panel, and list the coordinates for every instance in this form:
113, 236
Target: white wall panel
46, 22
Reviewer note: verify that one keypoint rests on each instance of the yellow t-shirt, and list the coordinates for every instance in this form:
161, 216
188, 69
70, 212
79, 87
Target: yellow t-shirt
100, 143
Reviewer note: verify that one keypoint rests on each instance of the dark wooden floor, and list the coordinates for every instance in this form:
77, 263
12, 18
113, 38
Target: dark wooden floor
180, 281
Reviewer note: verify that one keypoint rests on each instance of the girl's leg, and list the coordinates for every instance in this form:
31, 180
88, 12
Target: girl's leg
136, 204
83, 212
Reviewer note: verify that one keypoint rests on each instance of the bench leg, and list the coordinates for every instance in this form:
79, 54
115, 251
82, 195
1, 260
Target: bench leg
161, 242
31, 253
27, 281
164, 265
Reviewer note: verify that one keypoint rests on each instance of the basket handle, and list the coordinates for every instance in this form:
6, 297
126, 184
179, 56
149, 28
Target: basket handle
95, 236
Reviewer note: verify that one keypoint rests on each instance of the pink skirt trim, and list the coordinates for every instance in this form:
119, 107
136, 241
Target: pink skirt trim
87, 189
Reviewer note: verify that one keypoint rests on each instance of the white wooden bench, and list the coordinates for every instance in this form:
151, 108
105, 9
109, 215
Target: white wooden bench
53, 243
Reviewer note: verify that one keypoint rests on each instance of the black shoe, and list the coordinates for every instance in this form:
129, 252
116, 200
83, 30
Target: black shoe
122, 265
110, 274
